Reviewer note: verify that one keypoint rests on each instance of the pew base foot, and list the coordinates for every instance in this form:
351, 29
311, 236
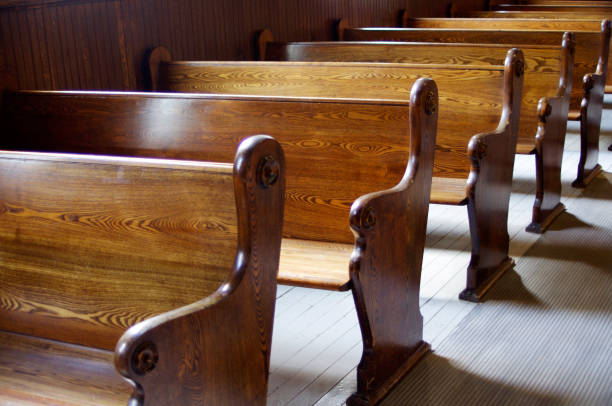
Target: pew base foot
475, 294
539, 227
360, 399
583, 181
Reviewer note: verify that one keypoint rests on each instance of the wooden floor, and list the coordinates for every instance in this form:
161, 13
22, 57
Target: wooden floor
316, 342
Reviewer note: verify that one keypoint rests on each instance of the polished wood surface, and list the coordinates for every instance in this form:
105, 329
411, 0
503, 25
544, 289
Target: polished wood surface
548, 73
37, 371
98, 44
480, 86
590, 59
579, 8
205, 127
217, 350
92, 245
569, 15
468, 106
367, 161
529, 24
154, 228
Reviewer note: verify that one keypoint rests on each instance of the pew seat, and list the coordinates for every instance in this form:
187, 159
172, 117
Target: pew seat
358, 178
171, 264
545, 98
588, 79
473, 100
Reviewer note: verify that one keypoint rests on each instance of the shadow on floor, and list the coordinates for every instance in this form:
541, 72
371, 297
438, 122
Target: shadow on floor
436, 381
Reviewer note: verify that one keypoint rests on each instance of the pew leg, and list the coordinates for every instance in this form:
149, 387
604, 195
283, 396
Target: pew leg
590, 123
550, 139
386, 295
385, 270
490, 243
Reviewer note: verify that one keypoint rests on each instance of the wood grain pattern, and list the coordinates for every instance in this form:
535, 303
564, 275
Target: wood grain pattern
514, 24
30, 367
465, 91
480, 86
338, 151
317, 135
55, 244
217, 350
590, 58
548, 73
174, 241
98, 44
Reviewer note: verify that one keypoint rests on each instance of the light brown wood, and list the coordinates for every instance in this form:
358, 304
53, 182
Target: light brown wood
30, 367
370, 162
548, 73
142, 234
480, 86
177, 250
314, 264
536, 24
476, 92
590, 67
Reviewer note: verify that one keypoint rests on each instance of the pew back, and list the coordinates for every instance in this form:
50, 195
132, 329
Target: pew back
566, 15
542, 65
337, 150
512, 24
589, 56
93, 245
461, 90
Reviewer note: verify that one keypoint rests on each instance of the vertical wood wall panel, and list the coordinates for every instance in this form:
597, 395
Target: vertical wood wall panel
100, 44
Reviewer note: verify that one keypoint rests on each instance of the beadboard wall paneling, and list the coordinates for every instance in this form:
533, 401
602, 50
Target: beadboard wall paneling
100, 44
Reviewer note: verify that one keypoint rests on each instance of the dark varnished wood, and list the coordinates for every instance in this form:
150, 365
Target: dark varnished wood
98, 44
548, 73
149, 237
378, 153
462, 114
591, 58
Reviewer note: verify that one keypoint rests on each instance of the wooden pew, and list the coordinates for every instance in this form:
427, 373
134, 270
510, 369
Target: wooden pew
554, 8
548, 15
565, 2
463, 114
512, 24
590, 67
544, 107
358, 183
170, 263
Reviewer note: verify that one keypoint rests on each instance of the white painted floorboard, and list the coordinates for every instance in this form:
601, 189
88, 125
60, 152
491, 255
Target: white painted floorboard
317, 343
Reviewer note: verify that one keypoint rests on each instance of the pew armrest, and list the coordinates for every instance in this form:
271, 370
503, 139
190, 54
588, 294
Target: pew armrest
217, 350
489, 185
389, 228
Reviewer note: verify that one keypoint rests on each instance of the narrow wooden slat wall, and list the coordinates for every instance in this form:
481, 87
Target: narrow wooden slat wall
99, 44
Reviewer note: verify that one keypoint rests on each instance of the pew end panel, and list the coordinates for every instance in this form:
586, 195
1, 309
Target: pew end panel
591, 109
549, 153
590, 125
389, 228
549, 143
448, 184
489, 187
591, 56
337, 150
527, 24
153, 58
173, 358
54, 203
